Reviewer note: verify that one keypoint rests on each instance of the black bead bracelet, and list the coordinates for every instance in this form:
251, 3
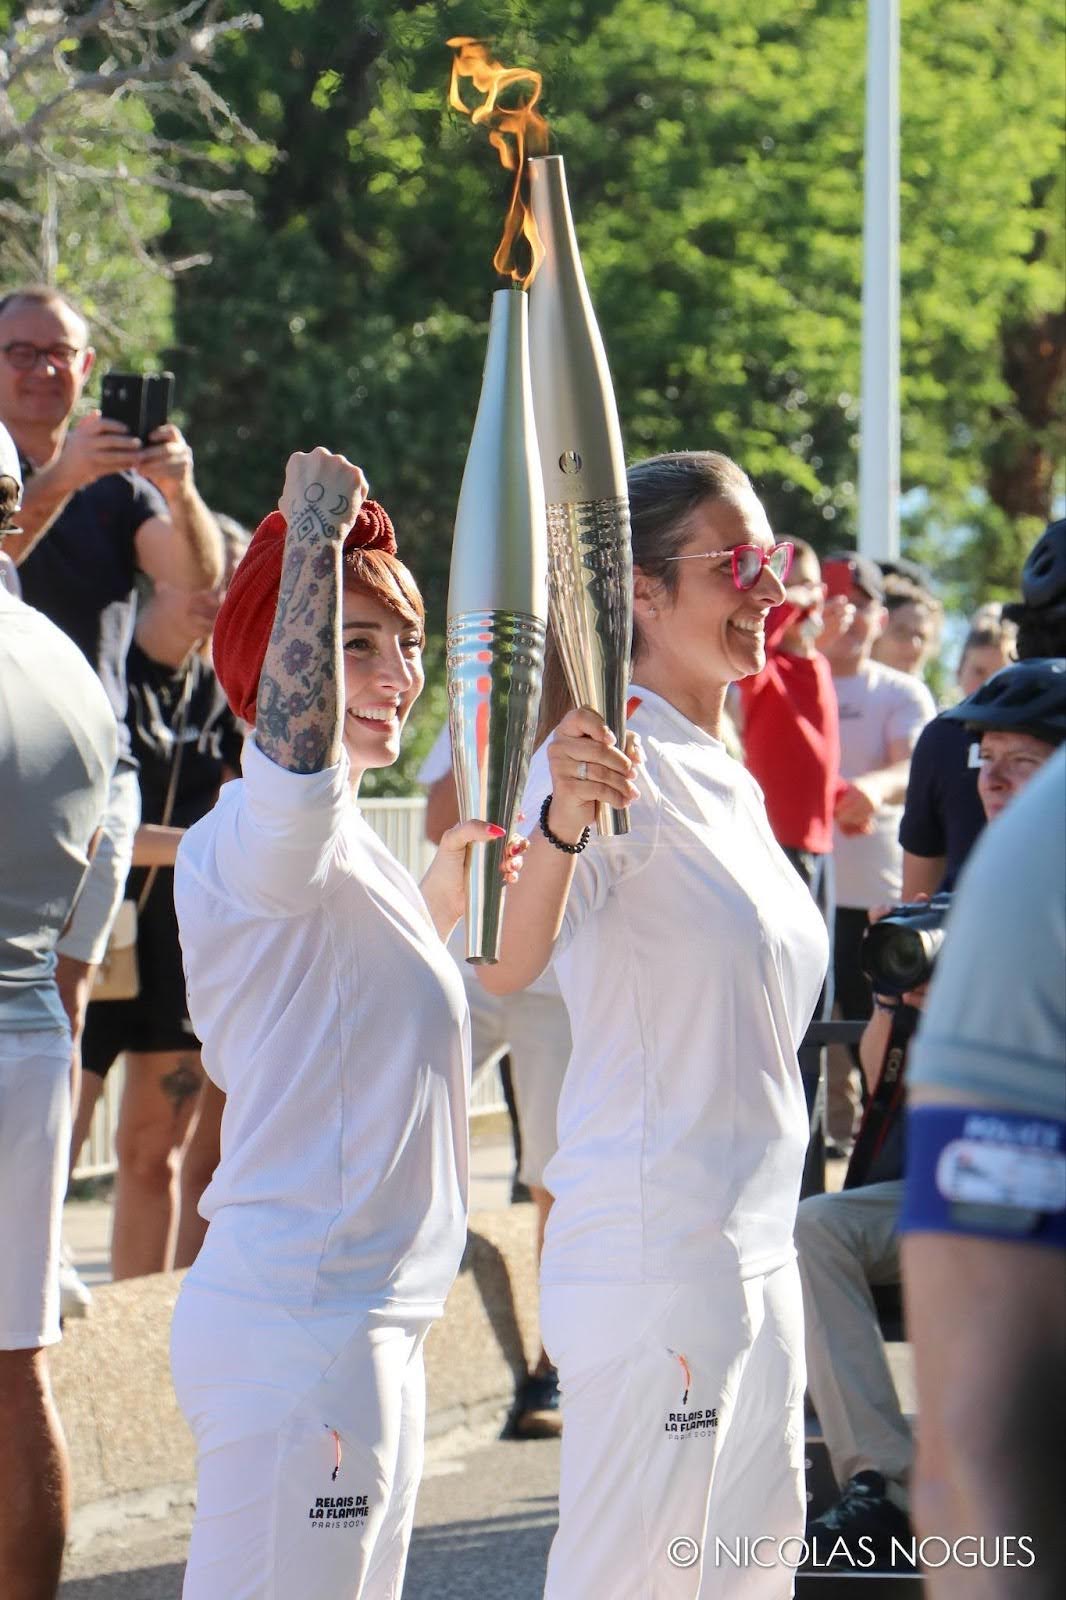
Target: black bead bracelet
561, 844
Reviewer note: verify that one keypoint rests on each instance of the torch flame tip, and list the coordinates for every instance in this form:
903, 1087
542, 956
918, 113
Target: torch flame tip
511, 129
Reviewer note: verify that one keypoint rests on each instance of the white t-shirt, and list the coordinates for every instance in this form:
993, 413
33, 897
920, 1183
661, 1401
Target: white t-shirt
335, 1020
690, 959
878, 705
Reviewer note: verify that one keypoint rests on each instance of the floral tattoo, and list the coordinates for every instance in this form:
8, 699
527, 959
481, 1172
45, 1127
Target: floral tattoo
300, 706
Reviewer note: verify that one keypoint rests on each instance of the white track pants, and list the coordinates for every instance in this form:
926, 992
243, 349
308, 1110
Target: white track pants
310, 1446
682, 1437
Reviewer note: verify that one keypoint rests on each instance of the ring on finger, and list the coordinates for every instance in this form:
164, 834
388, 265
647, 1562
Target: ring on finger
582, 771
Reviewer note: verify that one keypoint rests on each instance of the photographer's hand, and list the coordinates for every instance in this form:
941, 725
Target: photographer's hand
838, 614
94, 448
166, 461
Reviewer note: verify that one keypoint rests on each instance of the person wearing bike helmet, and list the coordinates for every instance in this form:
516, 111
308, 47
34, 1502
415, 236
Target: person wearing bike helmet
1020, 714
1041, 612
849, 1240
942, 817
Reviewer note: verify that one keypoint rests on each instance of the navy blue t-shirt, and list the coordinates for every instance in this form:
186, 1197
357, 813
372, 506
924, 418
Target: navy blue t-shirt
943, 814
81, 574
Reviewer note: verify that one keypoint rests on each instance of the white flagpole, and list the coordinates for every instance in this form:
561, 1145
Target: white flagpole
879, 448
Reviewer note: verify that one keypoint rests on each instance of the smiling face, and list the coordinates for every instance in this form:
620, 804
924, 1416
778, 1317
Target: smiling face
1008, 762
707, 633
44, 396
382, 679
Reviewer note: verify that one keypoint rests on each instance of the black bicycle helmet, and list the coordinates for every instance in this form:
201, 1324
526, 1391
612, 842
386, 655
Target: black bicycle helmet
1027, 697
1044, 573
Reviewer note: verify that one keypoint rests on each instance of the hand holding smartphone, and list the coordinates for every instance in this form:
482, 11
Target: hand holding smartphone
140, 400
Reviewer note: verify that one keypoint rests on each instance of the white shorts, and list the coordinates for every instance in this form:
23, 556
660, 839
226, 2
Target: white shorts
310, 1444
85, 938
533, 1030
34, 1156
682, 1435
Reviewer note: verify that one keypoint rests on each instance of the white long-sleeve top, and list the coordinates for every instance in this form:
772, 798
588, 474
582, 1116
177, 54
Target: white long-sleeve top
690, 958
336, 1023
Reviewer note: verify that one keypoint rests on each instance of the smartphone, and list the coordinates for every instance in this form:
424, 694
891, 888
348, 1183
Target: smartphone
141, 400
838, 577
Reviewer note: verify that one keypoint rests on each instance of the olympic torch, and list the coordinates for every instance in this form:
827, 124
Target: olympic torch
590, 560
497, 612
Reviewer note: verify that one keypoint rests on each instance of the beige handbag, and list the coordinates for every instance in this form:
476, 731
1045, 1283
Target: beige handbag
118, 975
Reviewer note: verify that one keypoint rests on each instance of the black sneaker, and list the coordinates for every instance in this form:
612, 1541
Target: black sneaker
861, 1526
538, 1413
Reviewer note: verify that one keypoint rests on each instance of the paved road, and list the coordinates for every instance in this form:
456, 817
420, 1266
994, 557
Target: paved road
484, 1523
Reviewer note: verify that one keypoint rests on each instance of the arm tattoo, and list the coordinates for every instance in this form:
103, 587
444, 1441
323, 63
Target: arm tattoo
300, 708
311, 522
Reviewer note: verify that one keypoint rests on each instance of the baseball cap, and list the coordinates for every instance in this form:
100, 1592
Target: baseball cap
865, 574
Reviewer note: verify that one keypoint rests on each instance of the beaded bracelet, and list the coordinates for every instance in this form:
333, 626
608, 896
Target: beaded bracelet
561, 844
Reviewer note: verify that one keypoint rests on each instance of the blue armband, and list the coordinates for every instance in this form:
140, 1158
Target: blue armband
987, 1174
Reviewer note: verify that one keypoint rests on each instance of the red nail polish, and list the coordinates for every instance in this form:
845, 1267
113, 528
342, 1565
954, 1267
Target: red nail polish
497, 833
631, 705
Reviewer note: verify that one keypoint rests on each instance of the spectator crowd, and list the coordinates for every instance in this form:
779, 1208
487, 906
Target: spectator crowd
116, 737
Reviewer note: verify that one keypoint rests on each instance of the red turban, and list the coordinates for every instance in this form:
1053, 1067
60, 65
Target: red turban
242, 627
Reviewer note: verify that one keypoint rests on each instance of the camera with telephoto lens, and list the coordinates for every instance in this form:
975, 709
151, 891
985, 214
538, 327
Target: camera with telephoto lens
899, 952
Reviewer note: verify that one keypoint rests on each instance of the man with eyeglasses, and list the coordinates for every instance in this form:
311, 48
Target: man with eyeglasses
98, 507
882, 711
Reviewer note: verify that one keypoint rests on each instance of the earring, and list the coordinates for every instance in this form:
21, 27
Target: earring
653, 611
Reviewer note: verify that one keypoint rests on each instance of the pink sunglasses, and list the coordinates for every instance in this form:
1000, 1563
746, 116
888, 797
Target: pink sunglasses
748, 561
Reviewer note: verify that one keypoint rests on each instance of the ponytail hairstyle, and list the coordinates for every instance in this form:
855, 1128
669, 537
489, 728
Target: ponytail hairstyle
665, 492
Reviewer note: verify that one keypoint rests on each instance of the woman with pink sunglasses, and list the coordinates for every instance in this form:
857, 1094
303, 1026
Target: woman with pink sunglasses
690, 956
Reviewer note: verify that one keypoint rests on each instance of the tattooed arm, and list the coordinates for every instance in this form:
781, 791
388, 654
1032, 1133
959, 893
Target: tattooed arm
300, 710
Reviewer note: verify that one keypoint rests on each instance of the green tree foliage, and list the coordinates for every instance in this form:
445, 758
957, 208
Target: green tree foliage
714, 154
104, 115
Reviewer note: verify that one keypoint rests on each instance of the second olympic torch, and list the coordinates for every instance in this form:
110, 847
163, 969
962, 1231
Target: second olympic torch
590, 560
497, 612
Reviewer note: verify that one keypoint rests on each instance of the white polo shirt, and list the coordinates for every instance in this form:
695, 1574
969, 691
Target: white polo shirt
690, 959
336, 1023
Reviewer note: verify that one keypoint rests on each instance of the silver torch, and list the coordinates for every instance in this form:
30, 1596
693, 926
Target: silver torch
590, 559
497, 612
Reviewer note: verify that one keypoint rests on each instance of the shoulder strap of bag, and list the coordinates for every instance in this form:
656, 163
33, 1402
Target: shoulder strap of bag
175, 768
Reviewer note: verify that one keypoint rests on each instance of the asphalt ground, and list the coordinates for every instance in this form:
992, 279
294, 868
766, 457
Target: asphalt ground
485, 1519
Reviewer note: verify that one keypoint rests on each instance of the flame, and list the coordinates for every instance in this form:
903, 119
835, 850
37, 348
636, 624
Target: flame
513, 130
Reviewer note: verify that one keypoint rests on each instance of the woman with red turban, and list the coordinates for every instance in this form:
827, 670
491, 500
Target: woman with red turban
335, 1021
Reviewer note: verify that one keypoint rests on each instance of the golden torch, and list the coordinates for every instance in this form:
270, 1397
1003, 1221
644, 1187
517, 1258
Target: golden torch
497, 595
590, 561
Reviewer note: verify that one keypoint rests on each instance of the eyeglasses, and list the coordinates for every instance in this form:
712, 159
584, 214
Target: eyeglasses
748, 561
24, 356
